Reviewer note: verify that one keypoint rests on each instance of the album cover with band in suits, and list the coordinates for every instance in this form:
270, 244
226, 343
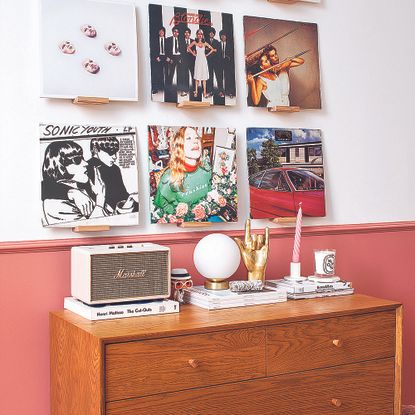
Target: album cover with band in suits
192, 55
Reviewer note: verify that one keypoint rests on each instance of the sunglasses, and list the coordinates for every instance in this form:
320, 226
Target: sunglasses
179, 285
111, 151
77, 159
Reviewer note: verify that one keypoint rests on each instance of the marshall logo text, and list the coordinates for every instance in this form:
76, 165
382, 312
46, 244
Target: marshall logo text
123, 274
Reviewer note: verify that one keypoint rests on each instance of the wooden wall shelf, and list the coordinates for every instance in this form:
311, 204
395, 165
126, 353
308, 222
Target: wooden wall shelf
194, 224
193, 104
96, 228
283, 1
90, 101
284, 109
284, 221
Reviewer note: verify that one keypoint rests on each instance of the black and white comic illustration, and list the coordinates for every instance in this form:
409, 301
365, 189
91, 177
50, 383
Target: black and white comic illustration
89, 175
192, 55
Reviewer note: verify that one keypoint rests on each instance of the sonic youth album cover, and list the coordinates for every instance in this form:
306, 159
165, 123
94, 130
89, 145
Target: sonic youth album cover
282, 63
89, 175
285, 168
192, 172
192, 55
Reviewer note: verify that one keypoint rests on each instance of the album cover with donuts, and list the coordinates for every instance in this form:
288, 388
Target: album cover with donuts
89, 175
192, 173
88, 48
282, 63
192, 55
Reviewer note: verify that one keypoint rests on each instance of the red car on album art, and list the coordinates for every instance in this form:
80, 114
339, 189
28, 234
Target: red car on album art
285, 168
277, 193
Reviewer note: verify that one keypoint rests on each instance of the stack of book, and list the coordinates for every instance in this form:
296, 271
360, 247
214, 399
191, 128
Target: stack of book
311, 289
213, 300
120, 310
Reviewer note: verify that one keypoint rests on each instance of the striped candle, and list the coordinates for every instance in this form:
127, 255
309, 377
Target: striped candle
297, 238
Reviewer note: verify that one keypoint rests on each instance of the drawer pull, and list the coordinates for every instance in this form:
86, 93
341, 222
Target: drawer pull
194, 363
336, 402
338, 342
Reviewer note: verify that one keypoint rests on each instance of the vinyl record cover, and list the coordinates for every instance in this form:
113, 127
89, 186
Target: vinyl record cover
192, 55
89, 175
192, 172
282, 63
88, 48
285, 167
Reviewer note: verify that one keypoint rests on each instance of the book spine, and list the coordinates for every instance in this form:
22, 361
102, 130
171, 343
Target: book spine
322, 294
252, 296
333, 286
211, 305
133, 310
137, 310
289, 288
310, 288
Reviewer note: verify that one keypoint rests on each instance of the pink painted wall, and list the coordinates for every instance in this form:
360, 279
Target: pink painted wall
35, 276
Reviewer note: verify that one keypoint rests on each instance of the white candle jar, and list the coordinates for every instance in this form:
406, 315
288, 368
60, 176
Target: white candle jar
325, 262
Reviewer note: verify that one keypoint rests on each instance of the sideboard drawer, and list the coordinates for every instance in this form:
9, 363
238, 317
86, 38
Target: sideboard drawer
357, 389
171, 364
329, 342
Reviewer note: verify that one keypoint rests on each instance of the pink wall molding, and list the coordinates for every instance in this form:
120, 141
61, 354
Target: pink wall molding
35, 277
191, 237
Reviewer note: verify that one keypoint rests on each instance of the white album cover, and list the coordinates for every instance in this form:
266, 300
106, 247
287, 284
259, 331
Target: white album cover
88, 48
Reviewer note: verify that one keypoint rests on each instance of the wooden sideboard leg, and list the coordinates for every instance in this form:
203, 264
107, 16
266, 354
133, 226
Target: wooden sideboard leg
76, 370
398, 361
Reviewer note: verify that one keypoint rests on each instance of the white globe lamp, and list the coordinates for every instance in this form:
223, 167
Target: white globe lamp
216, 257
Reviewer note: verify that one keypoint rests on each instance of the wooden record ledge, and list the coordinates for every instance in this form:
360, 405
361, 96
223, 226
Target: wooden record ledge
95, 228
284, 221
283, 1
90, 100
284, 109
194, 224
194, 104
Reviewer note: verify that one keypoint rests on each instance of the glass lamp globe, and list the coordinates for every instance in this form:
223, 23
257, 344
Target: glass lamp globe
216, 257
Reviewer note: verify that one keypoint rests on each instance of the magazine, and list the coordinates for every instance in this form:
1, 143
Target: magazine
300, 296
210, 299
308, 286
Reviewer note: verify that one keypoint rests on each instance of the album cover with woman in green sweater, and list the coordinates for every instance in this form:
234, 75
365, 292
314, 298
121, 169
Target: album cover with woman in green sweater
192, 172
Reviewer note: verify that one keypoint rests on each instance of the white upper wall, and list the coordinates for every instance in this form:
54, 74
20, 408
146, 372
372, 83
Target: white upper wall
367, 59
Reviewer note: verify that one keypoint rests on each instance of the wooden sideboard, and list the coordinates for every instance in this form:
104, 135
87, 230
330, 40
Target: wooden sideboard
322, 356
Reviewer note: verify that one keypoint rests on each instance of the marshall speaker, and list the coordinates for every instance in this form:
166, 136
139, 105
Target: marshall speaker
115, 273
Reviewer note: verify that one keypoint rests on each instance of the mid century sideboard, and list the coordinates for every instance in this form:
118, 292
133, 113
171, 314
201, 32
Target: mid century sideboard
320, 356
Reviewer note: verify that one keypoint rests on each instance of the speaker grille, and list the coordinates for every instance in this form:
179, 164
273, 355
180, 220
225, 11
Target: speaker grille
154, 281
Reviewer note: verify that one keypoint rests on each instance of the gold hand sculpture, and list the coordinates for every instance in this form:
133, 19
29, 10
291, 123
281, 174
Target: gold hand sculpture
254, 252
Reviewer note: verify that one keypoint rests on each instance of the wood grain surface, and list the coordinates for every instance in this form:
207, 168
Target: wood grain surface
192, 319
76, 370
328, 342
398, 360
177, 363
362, 389
215, 362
